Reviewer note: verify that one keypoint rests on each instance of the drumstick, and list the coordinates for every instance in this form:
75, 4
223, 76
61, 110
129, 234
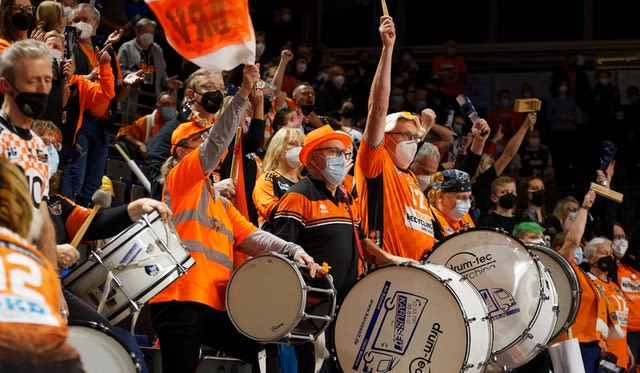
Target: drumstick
100, 199
136, 170
569, 333
385, 11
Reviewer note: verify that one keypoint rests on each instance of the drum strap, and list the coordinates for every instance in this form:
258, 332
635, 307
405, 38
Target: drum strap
355, 230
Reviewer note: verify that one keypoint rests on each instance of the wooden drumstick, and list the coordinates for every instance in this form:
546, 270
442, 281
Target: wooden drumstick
100, 199
385, 11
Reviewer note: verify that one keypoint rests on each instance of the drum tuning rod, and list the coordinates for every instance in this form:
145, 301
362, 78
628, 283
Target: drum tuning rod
314, 317
319, 290
308, 337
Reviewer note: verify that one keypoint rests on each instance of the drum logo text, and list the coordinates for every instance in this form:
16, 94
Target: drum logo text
470, 265
401, 313
421, 364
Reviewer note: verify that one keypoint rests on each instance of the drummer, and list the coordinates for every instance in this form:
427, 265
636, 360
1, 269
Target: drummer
319, 214
191, 312
450, 198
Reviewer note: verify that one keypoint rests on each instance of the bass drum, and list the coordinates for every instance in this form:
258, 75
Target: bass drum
566, 283
516, 287
413, 318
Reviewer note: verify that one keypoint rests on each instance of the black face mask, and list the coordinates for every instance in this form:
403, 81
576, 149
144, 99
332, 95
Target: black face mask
306, 109
605, 263
507, 201
347, 113
22, 21
538, 198
31, 104
211, 101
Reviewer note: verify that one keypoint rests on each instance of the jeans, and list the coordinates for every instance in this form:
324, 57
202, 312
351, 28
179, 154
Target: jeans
83, 177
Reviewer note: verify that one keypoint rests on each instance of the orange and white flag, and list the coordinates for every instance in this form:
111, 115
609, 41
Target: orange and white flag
216, 35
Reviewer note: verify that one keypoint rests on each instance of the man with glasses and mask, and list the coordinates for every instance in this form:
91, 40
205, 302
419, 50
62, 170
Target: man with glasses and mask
394, 210
319, 214
450, 199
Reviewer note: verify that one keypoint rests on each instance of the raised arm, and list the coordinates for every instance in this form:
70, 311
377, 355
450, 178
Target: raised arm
381, 85
514, 143
575, 232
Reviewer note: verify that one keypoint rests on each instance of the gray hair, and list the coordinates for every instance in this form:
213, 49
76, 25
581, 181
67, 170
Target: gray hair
145, 22
30, 49
94, 11
592, 247
427, 150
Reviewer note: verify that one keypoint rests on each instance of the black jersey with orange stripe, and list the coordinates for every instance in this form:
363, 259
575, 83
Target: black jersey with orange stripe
312, 217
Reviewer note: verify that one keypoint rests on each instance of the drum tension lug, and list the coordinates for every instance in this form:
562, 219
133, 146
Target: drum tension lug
470, 320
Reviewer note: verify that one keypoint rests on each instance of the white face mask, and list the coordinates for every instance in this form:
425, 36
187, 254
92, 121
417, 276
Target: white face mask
57, 55
424, 181
260, 49
619, 246
85, 29
578, 256
293, 158
54, 160
301, 68
462, 207
145, 40
404, 153
539, 241
338, 80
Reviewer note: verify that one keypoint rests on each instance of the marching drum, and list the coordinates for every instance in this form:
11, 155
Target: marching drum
517, 290
100, 349
566, 283
273, 299
130, 269
413, 318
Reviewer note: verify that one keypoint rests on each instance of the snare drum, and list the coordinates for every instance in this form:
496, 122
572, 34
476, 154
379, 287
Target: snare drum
100, 349
566, 283
413, 318
130, 269
516, 287
269, 299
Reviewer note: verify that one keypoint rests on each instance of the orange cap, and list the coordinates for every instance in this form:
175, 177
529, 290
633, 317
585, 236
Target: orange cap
318, 136
185, 131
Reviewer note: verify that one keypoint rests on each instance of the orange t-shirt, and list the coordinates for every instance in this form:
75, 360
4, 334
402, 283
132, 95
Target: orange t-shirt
392, 205
30, 322
584, 328
629, 282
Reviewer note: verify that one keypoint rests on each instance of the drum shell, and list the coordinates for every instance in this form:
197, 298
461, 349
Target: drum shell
410, 318
520, 295
101, 350
270, 299
146, 257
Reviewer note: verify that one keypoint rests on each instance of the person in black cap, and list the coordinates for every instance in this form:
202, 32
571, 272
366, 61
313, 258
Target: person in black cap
450, 199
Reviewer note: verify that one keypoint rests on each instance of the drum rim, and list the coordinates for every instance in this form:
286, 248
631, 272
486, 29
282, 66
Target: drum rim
303, 301
414, 266
108, 331
573, 279
501, 231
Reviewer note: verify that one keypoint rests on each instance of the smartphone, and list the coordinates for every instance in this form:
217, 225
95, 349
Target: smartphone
468, 109
70, 37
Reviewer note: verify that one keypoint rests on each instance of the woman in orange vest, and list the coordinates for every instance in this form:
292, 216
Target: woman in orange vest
450, 199
191, 312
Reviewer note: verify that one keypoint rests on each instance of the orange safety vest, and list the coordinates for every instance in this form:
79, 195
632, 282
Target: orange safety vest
209, 226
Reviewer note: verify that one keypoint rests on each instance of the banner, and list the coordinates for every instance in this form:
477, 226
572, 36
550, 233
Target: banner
214, 34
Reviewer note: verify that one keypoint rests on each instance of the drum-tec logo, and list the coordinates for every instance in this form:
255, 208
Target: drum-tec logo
421, 364
470, 265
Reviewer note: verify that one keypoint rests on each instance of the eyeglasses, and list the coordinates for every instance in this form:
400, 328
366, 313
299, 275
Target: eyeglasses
408, 136
24, 8
335, 152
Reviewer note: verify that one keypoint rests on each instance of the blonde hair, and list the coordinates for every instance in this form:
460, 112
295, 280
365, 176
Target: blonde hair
277, 144
16, 208
561, 209
49, 15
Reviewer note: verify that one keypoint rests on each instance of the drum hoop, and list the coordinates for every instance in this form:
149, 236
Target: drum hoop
106, 330
303, 300
573, 280
538, 310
